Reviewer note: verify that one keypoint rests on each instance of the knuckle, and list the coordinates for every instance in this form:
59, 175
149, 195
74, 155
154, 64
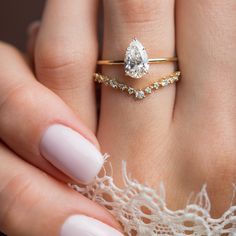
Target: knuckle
18, 103
21, 94
57, 60
13, 106
133, 11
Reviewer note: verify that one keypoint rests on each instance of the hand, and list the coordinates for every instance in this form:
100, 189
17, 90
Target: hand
35, 204
186, 131
176, 134
183, 135
37, 126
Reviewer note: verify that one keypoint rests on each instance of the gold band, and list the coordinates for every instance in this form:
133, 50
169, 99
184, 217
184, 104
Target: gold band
135, 92
150, 61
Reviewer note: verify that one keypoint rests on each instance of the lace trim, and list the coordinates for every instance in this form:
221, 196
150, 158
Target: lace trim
143, 211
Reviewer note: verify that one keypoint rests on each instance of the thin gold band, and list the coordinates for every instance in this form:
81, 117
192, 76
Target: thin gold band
150, 61
138, 93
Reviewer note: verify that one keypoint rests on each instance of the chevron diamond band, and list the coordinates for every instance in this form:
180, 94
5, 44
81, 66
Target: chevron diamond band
138, 94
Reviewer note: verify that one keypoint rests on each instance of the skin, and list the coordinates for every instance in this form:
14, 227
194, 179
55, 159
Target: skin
183, 135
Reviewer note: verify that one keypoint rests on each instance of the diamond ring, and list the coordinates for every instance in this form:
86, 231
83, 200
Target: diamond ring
138, 93
136, 62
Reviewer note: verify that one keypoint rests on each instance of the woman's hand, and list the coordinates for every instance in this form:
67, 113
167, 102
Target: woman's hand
183, 135
35, 122
37, 126
34, 204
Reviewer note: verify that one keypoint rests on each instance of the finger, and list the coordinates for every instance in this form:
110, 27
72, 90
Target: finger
206, 48
35, 204
66, 53
32, 31
38, 125
152, 23
206, 32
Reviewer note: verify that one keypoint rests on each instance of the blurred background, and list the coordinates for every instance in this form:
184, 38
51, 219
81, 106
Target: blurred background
15, 16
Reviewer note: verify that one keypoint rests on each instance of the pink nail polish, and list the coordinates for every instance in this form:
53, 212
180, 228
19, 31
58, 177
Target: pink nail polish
71, 153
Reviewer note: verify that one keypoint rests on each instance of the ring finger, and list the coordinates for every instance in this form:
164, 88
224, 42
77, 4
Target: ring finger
123, 118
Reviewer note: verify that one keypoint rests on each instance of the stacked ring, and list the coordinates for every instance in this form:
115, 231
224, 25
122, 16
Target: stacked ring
136, 65
136, 62
135, 92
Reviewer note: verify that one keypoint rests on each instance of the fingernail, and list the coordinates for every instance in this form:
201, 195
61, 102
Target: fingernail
80, 225
71, 153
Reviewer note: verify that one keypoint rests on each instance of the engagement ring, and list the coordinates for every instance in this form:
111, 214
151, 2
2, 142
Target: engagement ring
136, 62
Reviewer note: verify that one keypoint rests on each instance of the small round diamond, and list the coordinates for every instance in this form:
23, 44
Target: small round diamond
148, 90
113, 83
130, 90
155, 85
139, 94
175, 78
164, 82
123, 87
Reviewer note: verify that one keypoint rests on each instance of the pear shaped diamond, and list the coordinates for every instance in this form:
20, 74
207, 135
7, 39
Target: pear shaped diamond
136, 60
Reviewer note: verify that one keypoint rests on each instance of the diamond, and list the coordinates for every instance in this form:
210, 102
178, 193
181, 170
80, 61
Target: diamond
123, 87
155, 85
139, 94
164, 82
136, 60
148, 90
171, 80
98, 78
130, 90
106, 82
113, 83
175, 78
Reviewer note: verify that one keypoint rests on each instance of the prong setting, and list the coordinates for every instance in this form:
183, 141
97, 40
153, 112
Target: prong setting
136, 60
138, 94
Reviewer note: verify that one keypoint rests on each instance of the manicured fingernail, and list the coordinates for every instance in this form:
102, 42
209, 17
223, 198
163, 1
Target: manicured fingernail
80, 225
71, 153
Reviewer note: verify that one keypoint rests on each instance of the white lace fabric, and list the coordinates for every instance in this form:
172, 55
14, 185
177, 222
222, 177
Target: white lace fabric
143, 211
